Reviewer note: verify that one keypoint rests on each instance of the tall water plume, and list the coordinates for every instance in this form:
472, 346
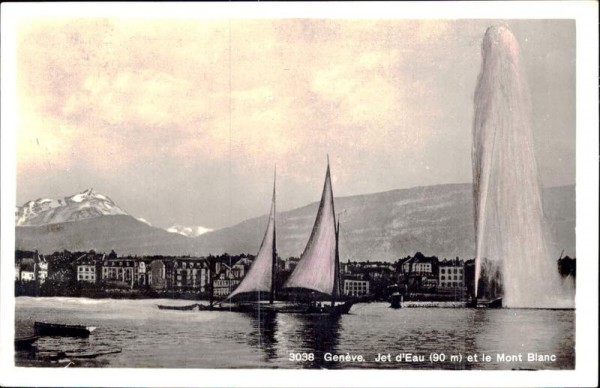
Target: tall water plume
509, 220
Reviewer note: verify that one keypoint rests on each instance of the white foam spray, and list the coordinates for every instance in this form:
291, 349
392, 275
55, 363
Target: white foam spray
509, 220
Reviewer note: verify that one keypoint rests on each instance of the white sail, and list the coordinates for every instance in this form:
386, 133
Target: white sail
316, 268
260, 274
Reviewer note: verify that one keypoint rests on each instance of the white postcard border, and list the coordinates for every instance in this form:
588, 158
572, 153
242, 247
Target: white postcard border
585, 373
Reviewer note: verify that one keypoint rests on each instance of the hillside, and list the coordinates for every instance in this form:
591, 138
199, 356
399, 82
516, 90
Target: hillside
437, 220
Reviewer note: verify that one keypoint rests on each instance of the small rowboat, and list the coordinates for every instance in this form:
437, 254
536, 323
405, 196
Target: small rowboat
194, 306
25, 343
59, 329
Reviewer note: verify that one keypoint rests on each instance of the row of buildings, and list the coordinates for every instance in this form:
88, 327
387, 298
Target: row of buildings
416, 273
197, 274
218, 276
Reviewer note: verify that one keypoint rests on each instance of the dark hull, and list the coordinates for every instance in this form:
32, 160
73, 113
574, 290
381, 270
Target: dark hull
180, 308
25, 343
485, 304
287, 308
396, 301
58, 329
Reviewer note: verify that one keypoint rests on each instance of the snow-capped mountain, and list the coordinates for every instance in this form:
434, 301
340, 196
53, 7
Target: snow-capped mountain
436, 220
189, 231
145, 221
87, 204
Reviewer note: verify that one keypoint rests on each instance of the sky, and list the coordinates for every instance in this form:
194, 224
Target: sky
183, 121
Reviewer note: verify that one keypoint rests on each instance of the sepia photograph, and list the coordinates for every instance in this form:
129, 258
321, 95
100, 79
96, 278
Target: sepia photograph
202, 188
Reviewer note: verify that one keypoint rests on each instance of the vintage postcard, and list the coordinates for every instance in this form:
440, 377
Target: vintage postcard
238, 194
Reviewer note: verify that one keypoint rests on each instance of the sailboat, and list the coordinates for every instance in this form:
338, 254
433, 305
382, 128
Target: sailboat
318, 270
261, 275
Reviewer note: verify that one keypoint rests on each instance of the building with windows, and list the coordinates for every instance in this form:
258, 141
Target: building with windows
41, 269
87, 269
451, 274
418, 273
190, 273
27, 270
142, 273
30, 266
241, 267
224, 282
418, 265
157, 273
120, 271
355, 287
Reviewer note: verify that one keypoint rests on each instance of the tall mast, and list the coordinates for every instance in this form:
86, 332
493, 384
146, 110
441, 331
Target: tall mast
274, 264
337, 258
336, 273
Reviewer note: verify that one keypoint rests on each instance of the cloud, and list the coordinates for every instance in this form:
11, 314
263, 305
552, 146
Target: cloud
138, 83
105, 95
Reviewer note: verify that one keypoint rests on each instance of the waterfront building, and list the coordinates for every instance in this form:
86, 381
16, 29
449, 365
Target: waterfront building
191, 273
355, 287
30, 266
418, 265
27, 270
224, 282
451, 274
157, 275
87, 267
429, 283
376, 271
119, 271
142, 274
418, 273
240, 268
41, 269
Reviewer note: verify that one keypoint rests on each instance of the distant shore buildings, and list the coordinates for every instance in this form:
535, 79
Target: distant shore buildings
63, 273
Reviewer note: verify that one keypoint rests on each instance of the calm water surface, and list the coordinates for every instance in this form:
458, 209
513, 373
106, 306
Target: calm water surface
153, 338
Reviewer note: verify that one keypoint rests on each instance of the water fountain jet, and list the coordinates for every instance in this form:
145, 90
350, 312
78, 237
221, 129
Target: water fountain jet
509, 221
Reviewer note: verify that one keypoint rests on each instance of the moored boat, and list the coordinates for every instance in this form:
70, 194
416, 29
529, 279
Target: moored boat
485, 304
60, 329
317, 272
25, 343
396, 300
190, 307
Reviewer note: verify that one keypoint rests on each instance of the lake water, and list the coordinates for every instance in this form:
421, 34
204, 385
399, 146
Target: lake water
435, 338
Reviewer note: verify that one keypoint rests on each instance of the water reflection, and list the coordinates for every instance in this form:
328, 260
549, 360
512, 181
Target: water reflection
212, 339
316, 334
295, 336
264, 325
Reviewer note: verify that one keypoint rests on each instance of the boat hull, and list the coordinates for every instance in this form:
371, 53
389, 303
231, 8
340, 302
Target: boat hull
396, 301
58, 329
180, 308
25, 343
327, 309
485, 304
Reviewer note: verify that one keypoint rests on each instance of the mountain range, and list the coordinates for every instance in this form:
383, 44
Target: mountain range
189, 231
44, 211
436, 220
